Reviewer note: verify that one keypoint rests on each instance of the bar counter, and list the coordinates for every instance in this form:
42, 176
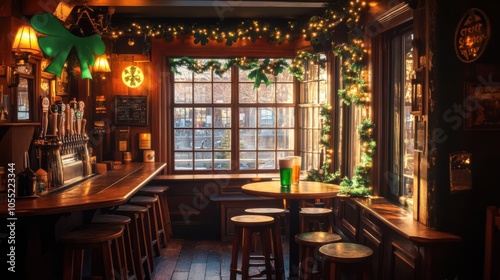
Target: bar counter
40, 221
99, 191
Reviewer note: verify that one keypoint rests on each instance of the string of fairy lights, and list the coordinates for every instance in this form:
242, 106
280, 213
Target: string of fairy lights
321, 30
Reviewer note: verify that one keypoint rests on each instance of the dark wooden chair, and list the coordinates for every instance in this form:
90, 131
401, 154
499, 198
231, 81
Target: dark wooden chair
492, 243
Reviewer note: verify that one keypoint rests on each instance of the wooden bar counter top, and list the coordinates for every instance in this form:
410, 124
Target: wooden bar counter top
99, 191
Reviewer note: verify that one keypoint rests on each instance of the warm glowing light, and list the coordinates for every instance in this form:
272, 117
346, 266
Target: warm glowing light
26, 41
101, 65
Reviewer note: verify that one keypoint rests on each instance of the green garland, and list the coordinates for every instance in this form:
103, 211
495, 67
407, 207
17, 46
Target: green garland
258, 69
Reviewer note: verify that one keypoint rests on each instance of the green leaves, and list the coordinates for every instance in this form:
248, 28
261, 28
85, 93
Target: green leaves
59, 42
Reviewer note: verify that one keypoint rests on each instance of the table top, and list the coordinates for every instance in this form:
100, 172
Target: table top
100, 191
304, 190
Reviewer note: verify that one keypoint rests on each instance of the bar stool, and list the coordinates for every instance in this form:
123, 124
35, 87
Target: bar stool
151, 224
140, 237
316, 219
164, 224
309, 243
104, 241
111, 219
344, 257
245, 226
277, 245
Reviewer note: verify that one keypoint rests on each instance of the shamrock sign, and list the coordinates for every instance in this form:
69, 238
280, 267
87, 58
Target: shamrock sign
58, 43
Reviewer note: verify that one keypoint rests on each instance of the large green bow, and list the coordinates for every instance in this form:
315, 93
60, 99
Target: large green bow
59, 42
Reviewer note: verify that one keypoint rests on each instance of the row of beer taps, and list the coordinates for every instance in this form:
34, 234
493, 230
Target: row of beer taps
64, 121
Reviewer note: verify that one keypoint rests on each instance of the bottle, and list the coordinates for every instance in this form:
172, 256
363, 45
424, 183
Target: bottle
26, 180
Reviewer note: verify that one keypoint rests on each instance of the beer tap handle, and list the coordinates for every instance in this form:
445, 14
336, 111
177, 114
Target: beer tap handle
68, 120
45, 116
52, 130
62, 129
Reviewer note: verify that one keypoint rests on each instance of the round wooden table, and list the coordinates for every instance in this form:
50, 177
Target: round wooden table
293, 195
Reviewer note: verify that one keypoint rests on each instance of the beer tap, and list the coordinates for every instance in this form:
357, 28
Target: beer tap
52, 127
45, 116
79, 117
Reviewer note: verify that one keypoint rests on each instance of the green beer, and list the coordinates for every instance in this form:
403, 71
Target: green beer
286, 172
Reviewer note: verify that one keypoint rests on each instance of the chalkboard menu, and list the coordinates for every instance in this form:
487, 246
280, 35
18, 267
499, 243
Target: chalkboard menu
131, 110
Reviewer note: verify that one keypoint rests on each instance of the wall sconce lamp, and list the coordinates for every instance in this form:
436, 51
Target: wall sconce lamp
25, 44
101, 66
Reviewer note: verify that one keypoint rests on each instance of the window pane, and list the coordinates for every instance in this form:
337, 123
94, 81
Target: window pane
284, 93
248, 117
248, 139
222, 117
183, 139
266, 160
183, 93
183, 117
246, 93
222, 93
203, 93
266, 93
267, 139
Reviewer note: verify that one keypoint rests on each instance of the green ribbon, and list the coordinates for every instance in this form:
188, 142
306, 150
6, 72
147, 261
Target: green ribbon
58, 43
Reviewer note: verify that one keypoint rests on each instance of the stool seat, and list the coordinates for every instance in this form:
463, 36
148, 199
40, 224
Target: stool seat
309, 243
316, 238
92, 234
143, 199
128, 208
252, 220
265, 211
346, 252
315, 211
111, 219
343, 257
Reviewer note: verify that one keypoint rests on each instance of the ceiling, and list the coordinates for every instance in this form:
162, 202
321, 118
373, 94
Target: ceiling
196, 9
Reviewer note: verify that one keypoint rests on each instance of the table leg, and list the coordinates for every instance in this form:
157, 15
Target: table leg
294, 229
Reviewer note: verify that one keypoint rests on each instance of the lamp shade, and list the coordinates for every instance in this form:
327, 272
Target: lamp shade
26, 41
101, 64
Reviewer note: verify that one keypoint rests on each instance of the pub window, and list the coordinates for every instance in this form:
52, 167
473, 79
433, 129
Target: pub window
314, 94
224, 123
401, 121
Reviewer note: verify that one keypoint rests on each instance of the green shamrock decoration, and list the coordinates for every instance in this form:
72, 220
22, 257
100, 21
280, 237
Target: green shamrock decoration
59, 42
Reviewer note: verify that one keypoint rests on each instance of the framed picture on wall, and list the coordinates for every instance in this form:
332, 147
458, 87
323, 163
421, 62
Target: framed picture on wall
483, 106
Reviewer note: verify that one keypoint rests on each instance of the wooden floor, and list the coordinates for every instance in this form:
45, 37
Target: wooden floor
197, 259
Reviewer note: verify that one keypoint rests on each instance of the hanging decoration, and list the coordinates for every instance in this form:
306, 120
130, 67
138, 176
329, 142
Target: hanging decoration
59, 42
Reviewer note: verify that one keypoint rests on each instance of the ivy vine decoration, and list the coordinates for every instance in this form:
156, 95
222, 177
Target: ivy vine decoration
359, 184
324, 174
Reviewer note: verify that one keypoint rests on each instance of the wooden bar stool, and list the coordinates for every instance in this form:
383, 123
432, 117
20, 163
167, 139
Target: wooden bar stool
245, 226
151, 224
309, 243
277, 244
141, 240
104, 241
128, 253
343, 257
163, 213
316, 219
